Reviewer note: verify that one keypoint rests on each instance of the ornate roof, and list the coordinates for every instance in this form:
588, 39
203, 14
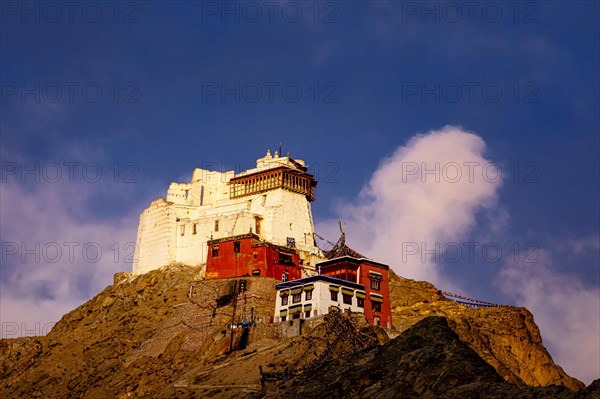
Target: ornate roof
340, 248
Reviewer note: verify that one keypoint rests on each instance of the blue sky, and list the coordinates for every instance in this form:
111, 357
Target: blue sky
154, 89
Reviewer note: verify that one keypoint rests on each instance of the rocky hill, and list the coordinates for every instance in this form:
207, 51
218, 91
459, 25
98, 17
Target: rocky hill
427, 361
506, 337
167, 334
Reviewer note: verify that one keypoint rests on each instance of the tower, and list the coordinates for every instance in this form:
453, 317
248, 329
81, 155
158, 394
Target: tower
272, 201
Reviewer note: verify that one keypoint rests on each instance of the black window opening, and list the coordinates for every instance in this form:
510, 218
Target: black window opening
376, 306
334, 296
284, 300
291, 241
308, 296
307, 314
216, 225
347, 299
360, 302
285, 259
236, 247
296, 315
215, 251
256, 273
195, 229
283, 318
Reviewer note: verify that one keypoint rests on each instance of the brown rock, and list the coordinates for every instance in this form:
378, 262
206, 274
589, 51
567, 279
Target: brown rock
144, 336
506, 337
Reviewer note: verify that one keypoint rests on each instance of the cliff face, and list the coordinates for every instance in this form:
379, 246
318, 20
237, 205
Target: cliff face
506, 337
427, 361
166, 334
137, 336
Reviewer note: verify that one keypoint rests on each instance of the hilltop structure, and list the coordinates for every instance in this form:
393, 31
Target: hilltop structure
247, 255
258, 223
271, 201
344, 283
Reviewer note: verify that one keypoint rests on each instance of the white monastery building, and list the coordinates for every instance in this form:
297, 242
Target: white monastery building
271, 201
314, 296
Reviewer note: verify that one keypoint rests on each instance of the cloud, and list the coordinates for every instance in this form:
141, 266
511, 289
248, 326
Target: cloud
580, 245
428, 192
55, 253
411, 203
565, 308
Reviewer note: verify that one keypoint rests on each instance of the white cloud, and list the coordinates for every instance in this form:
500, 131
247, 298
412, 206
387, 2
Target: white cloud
429, 191
580, 245
400, 206
566, 310
38, 287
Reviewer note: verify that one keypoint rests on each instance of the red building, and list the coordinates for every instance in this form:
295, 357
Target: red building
373, 276
247, 255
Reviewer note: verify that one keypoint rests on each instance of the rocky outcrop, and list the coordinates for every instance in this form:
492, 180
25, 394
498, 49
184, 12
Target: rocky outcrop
166, 334
427, 361
137, 337
506, 337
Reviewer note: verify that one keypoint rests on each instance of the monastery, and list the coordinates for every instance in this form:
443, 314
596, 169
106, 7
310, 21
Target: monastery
271, 201
259, 223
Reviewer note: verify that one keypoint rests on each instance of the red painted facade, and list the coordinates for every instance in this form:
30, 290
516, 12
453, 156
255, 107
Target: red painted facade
246, 255
373, 276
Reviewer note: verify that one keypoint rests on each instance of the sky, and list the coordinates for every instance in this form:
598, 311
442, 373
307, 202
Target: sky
457, 141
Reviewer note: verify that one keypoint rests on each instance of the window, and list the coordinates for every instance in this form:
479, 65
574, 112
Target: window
283, 318
257, 225
375, 282
195, 228
347, 299
296, 298
307, 314
236, 247
256, 273
352, 277
216, 225
334, 295
285, 259
284, 276
182, 230
284, 300
376, 306
215, 251
291, 241
296, 315
308, 295
360, 302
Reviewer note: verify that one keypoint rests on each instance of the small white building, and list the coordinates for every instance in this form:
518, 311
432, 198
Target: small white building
316, 295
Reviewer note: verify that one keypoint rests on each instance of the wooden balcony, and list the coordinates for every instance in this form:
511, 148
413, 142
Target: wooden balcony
288, 179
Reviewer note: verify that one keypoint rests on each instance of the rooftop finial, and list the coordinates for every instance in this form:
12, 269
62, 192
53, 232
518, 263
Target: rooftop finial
269, 153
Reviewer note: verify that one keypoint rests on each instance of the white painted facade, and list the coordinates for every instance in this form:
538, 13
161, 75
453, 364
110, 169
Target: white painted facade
177, 228
320, 301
